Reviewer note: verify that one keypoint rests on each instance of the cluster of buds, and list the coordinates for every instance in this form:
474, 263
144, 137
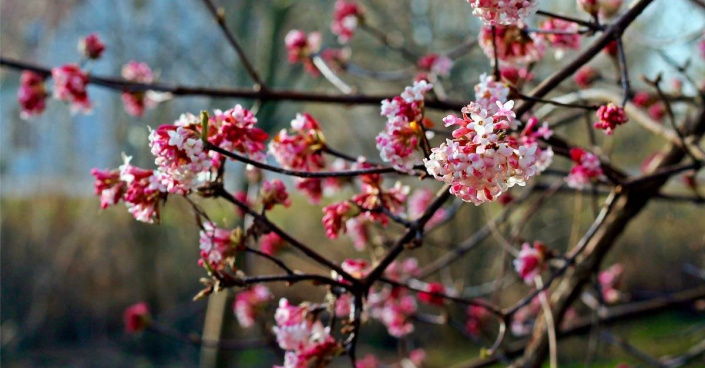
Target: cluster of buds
476, 317
419, 201
219, 247
301, 48
70, 84
515, 75
272, 193
250, 303
306, 341
586, 168
609, 117
91, 46
503, 12
654, 107
32, 94
347, 14
271, 243
514, 45
399, 142
531, 261
136, 102
483, 160
394, 306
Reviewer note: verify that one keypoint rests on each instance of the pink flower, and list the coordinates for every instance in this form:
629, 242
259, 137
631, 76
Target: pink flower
70, 84
487, 93
586, 168
311, 187
431, 295
436, 64
586, 76
394, 309
567, 36
144, 191
503, 12
514, 45
241, 196
419, 201
91, 46
336, 59
358, 268
343, 305
531, 261
418, 357
611, 49
136, 102
108, 186
136, 317
374, 197
272, 193
505, 199
302, 150
335, 216
218, 246
307, 342
32, 94
643, 99
369, 361
179, 153
346, 16
249, 303
610, 116
234, 130
400, 271
399, 142
514, 75
657, 111
476, 317
357, 229
301, 48
609, 280
481, 164
271, 243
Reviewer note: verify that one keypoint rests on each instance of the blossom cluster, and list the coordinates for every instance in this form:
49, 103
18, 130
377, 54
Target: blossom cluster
432, 66
306, 341
503, 12
250, 303
609, 117
514, 45
561, 34
219, 246
531, 261
70, 84
399, 142
301, 47
32, 94
482, 160
585, 169
347, 14
136, 102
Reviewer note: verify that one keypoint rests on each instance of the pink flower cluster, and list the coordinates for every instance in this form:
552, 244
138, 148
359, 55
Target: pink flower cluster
586, 76
566, 36
70, 84
514, 45
515, 75
394, 306
609, 117
91, 46
141, 190
655, 108
303, 336
347, 14
531, 261
235, 130
586, 168
476, 317
250, 303
272, 193
180, 154
218, 246
435, 65
301, 47
503, 12
271, 243
482, 161
399, 142
136, 102
32, 94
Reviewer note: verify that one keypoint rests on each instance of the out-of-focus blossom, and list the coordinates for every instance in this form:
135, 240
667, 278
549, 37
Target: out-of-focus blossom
368, 361
301, 47
250, 303
272, 193
136, 317
503, 12
566, 35
433, 293
108, 186
32, 94
418, 357
419, 202
515, 75
271, 243
357, 268
476, 317
144, 191
609, 280
335, 217
136, 102
70, 84
219, 246
435, 64
514, 45
346, 17
91, 46
586, 168
531, 261
586, 76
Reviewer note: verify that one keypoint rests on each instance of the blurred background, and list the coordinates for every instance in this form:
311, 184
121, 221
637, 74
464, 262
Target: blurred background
69, 270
